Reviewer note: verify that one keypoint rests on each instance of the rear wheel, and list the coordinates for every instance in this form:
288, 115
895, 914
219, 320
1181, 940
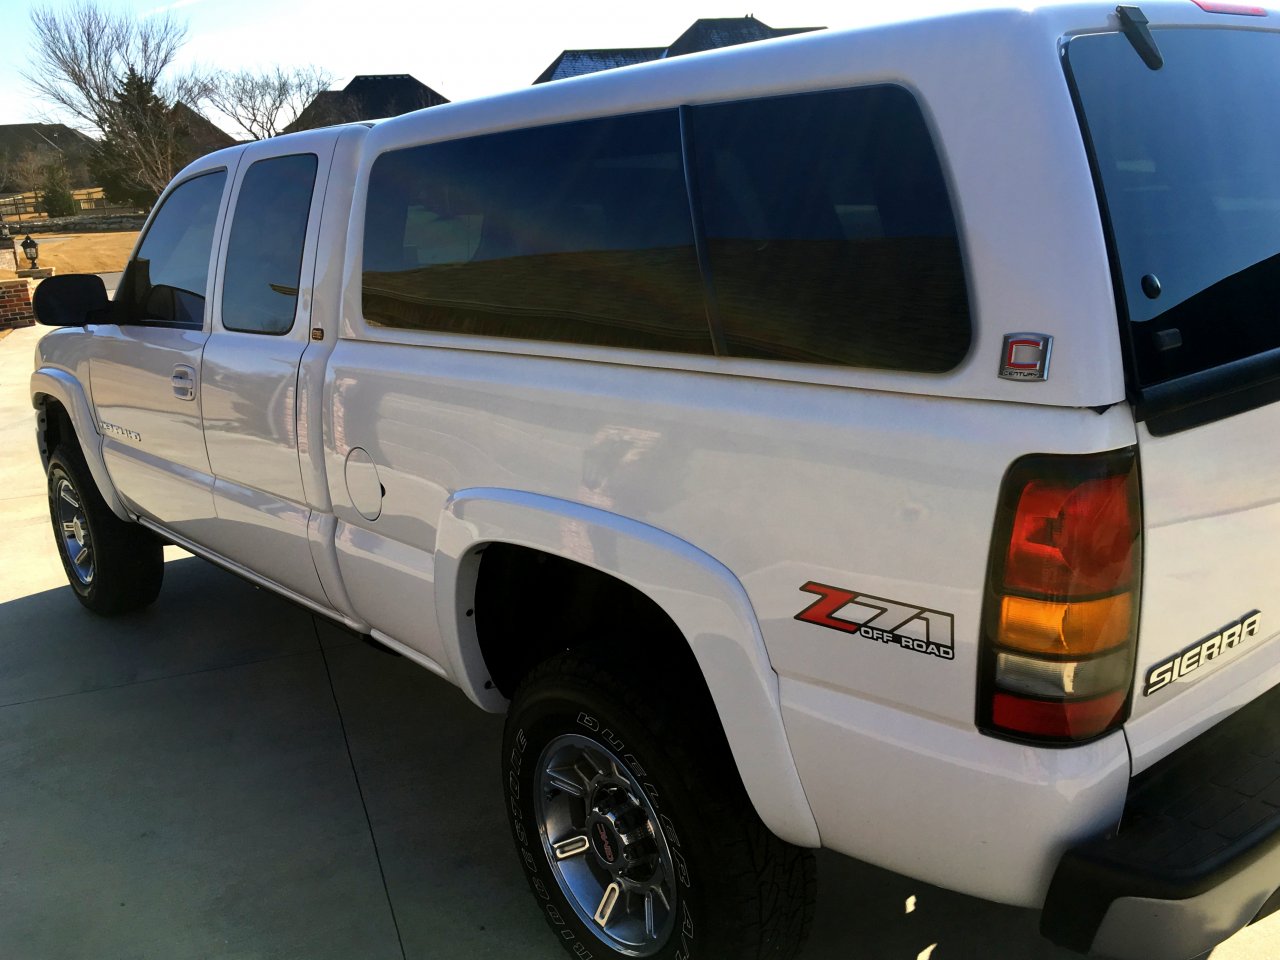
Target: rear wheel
112, 566
635, 831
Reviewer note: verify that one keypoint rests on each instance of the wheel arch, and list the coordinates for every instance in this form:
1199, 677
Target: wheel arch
700, 596
61, 407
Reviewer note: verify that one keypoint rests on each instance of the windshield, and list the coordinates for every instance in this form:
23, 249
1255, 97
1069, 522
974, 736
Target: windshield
1188, 162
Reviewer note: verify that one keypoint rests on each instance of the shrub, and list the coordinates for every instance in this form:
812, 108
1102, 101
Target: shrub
55, 192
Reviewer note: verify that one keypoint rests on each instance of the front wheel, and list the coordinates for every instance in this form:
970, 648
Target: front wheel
635, 831
113, 566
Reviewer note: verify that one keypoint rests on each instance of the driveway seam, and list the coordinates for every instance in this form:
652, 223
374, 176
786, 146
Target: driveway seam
377, 854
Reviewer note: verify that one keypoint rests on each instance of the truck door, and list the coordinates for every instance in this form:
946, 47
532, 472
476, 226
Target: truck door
260, 327
145, 368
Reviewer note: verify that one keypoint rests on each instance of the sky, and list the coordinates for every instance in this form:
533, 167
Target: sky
460, 49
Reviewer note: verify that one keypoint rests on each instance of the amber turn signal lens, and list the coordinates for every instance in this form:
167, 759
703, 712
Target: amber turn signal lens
1078, 629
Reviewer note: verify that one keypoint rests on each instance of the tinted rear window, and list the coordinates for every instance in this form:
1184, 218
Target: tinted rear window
830, 232
1187, 159
824, 234
576, 232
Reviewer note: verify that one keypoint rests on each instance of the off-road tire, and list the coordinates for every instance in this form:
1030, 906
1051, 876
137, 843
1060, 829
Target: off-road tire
127, 561
741, 893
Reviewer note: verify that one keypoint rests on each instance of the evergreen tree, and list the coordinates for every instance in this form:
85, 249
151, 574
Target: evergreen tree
55, 191
142, 146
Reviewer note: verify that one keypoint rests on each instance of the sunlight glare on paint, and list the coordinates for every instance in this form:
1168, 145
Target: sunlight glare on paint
926, 953
911, 904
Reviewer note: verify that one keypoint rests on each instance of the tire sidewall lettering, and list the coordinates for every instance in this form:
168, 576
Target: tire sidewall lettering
682, 938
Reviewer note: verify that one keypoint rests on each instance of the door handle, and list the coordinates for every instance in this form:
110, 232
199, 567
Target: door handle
184, 382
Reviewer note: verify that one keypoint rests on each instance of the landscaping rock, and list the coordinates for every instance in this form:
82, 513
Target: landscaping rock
80, 224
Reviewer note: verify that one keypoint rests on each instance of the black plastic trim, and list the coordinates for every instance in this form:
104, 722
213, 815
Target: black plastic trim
1133, 24
1210, 395
85, 291
711, 303
1195, 820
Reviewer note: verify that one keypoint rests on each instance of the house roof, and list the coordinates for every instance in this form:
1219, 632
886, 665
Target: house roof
574, 63
16, 138
711, 34
391, 94
202, 134
704, 34
367, 97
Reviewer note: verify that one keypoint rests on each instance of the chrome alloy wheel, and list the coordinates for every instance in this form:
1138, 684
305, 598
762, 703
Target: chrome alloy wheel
75, 532
605, 845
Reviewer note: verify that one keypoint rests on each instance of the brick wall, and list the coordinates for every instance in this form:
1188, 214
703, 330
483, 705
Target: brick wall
15, 304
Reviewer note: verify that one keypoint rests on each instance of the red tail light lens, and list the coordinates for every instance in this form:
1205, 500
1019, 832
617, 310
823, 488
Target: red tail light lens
1067, 720
1071, 540
1060, 620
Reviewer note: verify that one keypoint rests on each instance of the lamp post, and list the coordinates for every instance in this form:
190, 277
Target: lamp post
30, 250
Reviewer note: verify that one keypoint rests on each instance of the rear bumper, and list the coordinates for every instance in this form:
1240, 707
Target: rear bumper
1197, 854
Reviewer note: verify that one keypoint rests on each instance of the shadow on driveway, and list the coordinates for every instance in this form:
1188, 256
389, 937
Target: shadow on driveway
182, 783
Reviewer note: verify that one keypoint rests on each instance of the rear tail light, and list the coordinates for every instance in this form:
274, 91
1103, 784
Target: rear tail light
1060, 618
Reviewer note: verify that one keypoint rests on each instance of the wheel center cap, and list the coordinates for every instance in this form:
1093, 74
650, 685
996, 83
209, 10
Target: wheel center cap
79, 531
605, 841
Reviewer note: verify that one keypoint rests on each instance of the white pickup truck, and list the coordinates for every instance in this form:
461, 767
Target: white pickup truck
863, 439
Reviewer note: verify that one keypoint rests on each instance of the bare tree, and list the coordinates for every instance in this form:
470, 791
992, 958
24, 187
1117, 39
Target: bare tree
82, 54
81, 58
25, 170
264, 103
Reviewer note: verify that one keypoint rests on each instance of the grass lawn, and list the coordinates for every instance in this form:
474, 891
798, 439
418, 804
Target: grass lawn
82, 252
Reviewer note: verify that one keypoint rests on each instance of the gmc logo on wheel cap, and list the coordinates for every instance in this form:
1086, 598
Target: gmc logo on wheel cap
917, 629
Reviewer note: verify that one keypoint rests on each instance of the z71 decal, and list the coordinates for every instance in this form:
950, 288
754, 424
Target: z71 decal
1198, 654
885, 621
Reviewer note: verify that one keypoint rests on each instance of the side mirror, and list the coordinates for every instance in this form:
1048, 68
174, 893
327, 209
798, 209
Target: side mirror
71, 300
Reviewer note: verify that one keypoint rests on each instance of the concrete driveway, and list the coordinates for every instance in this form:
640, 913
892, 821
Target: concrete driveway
111, 281
226, 776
